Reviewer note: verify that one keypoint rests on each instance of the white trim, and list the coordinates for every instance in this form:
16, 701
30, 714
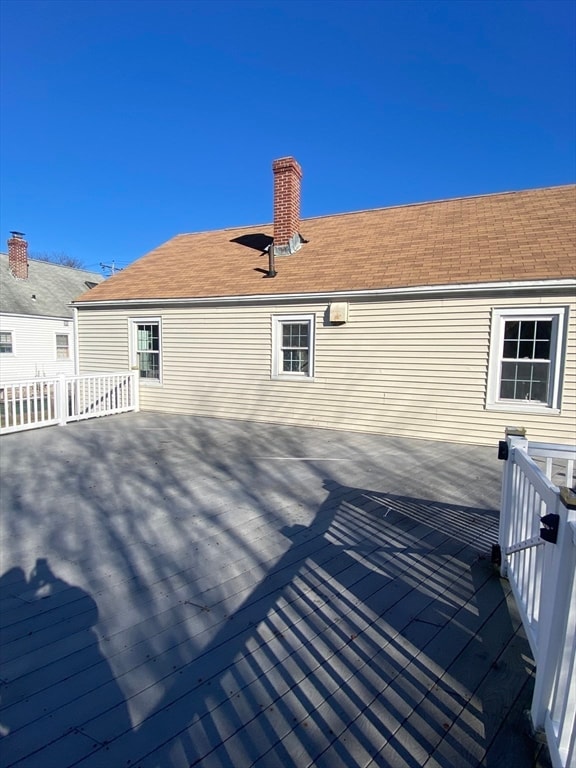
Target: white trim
472, 288
68, 346
68, 318
75, 331
559, 317
277, 322
133, 322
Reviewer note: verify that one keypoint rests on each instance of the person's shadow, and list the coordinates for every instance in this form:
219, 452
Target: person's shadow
47, 638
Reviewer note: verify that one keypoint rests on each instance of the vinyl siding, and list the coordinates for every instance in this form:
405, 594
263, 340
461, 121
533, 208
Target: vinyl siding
102, 342
34, 347
412, 368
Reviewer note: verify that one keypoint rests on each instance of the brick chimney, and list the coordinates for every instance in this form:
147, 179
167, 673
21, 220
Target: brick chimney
18, 255
287, 178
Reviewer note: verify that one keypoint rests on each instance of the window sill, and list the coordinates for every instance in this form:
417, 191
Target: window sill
150, 382
540, 410
306, 379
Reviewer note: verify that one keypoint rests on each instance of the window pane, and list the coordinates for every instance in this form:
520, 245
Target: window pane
507, 389
512, 329
542, 350
526, 349
527, 329
544, 329
510, 349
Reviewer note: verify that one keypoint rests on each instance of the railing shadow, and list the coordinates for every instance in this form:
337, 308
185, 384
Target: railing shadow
367, 640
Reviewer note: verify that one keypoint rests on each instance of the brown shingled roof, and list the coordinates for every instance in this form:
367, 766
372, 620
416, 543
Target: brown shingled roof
514, 236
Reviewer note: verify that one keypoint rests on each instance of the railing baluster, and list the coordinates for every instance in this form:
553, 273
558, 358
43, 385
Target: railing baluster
570, 473
15, 399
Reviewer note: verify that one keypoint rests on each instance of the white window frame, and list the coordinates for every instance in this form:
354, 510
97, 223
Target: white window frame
134, 323
67, 335
559, 317
11, 334
278, 322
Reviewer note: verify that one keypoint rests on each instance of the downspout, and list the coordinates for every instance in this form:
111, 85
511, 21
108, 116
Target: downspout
76, 344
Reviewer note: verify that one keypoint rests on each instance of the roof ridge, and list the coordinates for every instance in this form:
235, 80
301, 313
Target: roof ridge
442, 200
60, 266
385, 208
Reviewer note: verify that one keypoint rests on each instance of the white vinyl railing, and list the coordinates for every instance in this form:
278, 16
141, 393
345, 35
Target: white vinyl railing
43, 402
537, 552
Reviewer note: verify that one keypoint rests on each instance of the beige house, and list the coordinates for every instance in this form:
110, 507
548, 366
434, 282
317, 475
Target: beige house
447, 320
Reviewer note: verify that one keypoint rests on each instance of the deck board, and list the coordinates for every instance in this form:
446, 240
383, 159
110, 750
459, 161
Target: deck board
204, 605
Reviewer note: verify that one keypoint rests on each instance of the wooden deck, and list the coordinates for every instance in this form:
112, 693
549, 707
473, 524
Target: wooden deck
181, 592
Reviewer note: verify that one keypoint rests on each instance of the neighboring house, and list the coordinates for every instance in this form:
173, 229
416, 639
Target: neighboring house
447, 320
37, 336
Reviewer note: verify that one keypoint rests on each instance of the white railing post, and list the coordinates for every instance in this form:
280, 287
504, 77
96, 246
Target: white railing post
135, 386
62, 400
557, 581
515, 440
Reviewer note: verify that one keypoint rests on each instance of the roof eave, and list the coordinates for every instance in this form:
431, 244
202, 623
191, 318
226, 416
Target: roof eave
528, 286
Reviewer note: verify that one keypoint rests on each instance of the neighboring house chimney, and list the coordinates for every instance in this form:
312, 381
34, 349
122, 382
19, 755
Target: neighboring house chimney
287, 178
18, 255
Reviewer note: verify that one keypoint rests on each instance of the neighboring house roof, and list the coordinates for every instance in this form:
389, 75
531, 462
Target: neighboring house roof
46, 292
508, 237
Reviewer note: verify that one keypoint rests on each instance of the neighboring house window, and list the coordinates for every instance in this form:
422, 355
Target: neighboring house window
146, 348
62, 346
6, 343
526, 359
293, 346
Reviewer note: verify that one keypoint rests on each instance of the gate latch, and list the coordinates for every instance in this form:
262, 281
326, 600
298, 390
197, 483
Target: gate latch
503, 450
550, 530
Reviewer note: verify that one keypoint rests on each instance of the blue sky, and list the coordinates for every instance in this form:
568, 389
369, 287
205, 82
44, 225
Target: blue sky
124, 123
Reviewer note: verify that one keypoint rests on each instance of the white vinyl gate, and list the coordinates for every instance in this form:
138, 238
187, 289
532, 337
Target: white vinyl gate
537, 550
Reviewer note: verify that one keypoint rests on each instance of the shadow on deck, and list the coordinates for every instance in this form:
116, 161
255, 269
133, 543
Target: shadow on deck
229, 603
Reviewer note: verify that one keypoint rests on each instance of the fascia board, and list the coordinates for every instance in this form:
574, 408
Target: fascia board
412, 291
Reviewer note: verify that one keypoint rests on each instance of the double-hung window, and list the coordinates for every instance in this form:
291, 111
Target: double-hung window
293, 346
526, 359
6, 347
146, 348
62, 346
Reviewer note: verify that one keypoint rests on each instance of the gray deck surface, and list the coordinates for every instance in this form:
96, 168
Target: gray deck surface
186, 591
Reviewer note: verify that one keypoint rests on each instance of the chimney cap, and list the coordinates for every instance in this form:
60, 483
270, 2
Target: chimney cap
283, 163
18, 235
